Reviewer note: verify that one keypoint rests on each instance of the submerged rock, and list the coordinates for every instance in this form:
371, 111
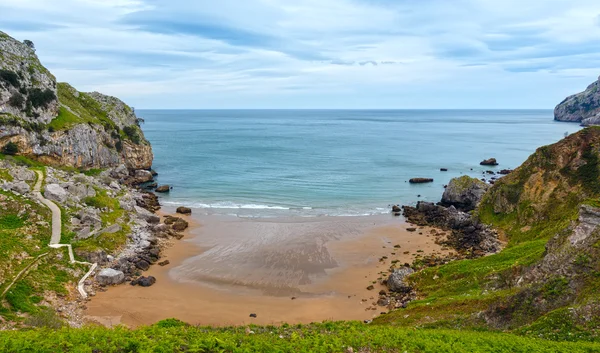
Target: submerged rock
163, 188
420, 180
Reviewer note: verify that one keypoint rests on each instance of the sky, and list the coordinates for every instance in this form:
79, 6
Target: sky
352, 54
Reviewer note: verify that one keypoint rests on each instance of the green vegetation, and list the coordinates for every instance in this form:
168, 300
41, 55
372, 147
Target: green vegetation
41, 98
112, 214
171, 336
9, 77
10, 148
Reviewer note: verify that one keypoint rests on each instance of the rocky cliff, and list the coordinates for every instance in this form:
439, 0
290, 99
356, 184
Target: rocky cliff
582, 107
54, 123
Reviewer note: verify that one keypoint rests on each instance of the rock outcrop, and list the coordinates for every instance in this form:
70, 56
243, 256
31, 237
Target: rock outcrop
57, 125
468, 235
464, 193
582, 107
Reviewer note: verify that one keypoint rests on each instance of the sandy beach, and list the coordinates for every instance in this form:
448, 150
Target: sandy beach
296, 270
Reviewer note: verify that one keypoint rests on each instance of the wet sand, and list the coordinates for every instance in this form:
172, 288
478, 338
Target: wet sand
226, 268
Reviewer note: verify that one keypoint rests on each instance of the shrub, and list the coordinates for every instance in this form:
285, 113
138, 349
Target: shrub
132, 134
16, 100
9, 77
10, 148
29, 43
45, 318
41, 98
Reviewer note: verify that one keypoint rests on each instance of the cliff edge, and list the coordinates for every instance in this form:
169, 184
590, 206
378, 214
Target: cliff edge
58, 125
582, 107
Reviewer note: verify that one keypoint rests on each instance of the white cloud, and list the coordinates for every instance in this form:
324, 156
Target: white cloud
308, 53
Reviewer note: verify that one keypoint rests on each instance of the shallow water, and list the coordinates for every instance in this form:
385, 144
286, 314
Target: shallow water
273, 163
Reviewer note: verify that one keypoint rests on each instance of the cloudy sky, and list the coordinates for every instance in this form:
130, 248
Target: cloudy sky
317, 53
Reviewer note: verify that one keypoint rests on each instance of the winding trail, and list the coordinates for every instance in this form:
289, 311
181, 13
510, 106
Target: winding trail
57, 230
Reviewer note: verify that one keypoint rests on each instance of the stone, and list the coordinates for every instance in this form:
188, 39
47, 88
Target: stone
119, 172
111, 229
20, 187
22, 174
108, 276
164, 263
505, 171
147, 215
371, 287
180, 225
184, 210
253, 315
163, 188
411, 229
464, 193
142, 265
143, 176
443, 169
491, 161
396, 280
171, 219
55, 192
420, 180
144, 281
396, 208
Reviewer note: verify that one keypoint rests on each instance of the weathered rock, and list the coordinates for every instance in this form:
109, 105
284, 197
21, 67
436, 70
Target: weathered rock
468, 235
110, 276
97, 256
505, 171
581, 107
184, 210
55, 192
396, 209
111, 229
420, 180
180, 225
147, 215
396, 281
144, 281
142, 265
464, 193
163, 188
164, 263
143, 176
491, 161
22, 174
19, 187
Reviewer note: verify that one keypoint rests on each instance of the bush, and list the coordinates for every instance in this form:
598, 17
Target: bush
132, 134
29, 43
16, 100
41, 98
9, 77
10, 148
45, 318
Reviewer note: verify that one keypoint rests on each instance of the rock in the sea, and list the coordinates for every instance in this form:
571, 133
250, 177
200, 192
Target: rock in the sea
143, 176
396, 208
110, 276
491, 161
396, 281
582, 107
505, 171
464, 193
184, 210
144, 281
443, 169
163, 188
55, 192
420, 180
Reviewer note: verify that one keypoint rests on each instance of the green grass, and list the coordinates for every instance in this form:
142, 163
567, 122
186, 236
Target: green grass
326, 337
11, 221
4, 175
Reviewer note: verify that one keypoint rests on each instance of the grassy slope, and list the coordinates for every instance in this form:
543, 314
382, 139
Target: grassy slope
170, 336
529, 206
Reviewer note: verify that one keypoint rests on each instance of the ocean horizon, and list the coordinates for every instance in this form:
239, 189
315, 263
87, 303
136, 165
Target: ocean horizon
332, 162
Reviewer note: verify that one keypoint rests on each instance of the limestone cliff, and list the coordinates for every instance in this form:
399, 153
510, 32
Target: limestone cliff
582, 107
58, 125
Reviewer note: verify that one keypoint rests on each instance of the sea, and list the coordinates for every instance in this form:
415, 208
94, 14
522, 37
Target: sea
314, 163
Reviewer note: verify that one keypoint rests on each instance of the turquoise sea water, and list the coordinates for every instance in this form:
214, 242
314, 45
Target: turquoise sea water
264, 163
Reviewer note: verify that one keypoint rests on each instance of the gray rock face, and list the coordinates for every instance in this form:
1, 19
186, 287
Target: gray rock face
464, 193
19, 187
21, 60
147, 215
581, 107
143, 176
396, 281
22, 174
55, 192
110, 276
